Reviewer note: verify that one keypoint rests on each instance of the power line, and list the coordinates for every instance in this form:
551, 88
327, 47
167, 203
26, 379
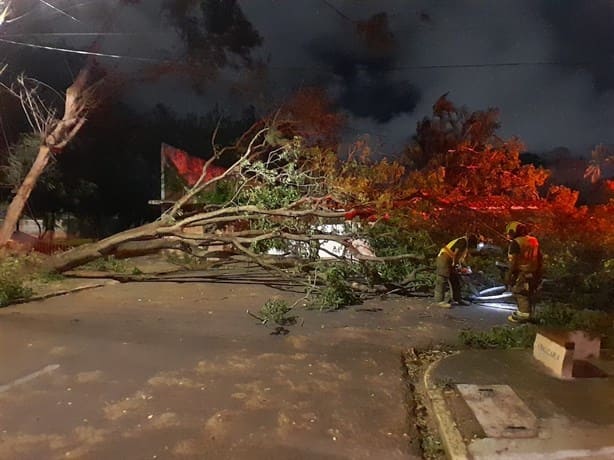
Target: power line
298, 68
452, 66
337, 10
58, 10
489, 65
86, 53
71, 34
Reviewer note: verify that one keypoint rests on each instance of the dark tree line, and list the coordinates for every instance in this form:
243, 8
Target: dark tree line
111, 171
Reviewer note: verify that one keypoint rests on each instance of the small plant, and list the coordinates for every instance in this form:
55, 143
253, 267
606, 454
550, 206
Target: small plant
336, 293
276, 311
431, 447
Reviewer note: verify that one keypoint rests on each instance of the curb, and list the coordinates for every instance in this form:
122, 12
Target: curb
451, 437
62, 292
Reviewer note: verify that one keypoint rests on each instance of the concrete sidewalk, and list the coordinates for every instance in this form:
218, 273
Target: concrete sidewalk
503, 404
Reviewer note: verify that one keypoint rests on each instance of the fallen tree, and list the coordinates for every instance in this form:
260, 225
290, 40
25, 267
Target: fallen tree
277, 199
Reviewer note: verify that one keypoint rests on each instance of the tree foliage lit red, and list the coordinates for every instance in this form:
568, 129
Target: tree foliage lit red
458, 155
310, 114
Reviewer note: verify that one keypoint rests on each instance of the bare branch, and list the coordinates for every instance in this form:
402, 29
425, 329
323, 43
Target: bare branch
200, 185
255, 257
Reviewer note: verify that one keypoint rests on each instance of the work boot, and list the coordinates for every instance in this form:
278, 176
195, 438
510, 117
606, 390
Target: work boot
518, 317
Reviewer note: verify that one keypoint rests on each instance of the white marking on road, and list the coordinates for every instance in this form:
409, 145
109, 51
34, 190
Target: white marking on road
27, 378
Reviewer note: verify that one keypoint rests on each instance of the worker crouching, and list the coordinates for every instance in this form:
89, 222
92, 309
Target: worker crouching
448, 266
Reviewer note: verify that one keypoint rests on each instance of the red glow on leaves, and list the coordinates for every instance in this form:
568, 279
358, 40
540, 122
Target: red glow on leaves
367, 213
188, 167
310, 114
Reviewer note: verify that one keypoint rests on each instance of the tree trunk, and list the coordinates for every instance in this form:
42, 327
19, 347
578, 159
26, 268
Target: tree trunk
88, 252
15, 209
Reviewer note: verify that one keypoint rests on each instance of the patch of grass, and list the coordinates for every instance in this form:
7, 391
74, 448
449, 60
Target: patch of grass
553, 316
48, 277
13, 278
500, 337
110, 264
415, 362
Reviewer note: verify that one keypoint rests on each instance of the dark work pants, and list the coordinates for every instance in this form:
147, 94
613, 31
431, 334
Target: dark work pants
446, 279
524, 290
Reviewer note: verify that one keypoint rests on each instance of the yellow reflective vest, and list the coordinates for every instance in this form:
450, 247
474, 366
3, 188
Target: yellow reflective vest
459, 256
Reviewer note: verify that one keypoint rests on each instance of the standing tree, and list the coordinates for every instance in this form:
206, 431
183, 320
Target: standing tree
599, 172
55, 133
601, 157
457, 156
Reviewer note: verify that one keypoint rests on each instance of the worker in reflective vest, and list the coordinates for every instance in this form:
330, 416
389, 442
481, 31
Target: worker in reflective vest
447, 266
525, 272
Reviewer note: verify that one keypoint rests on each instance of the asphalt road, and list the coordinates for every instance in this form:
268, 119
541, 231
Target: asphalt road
162, 370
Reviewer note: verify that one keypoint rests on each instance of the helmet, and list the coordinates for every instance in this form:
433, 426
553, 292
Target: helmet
514, 229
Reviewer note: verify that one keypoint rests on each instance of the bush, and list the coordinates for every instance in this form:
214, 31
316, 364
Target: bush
12, 281
560, 316
580, 275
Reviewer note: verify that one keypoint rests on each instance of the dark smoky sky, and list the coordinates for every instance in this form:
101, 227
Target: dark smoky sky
548, 66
